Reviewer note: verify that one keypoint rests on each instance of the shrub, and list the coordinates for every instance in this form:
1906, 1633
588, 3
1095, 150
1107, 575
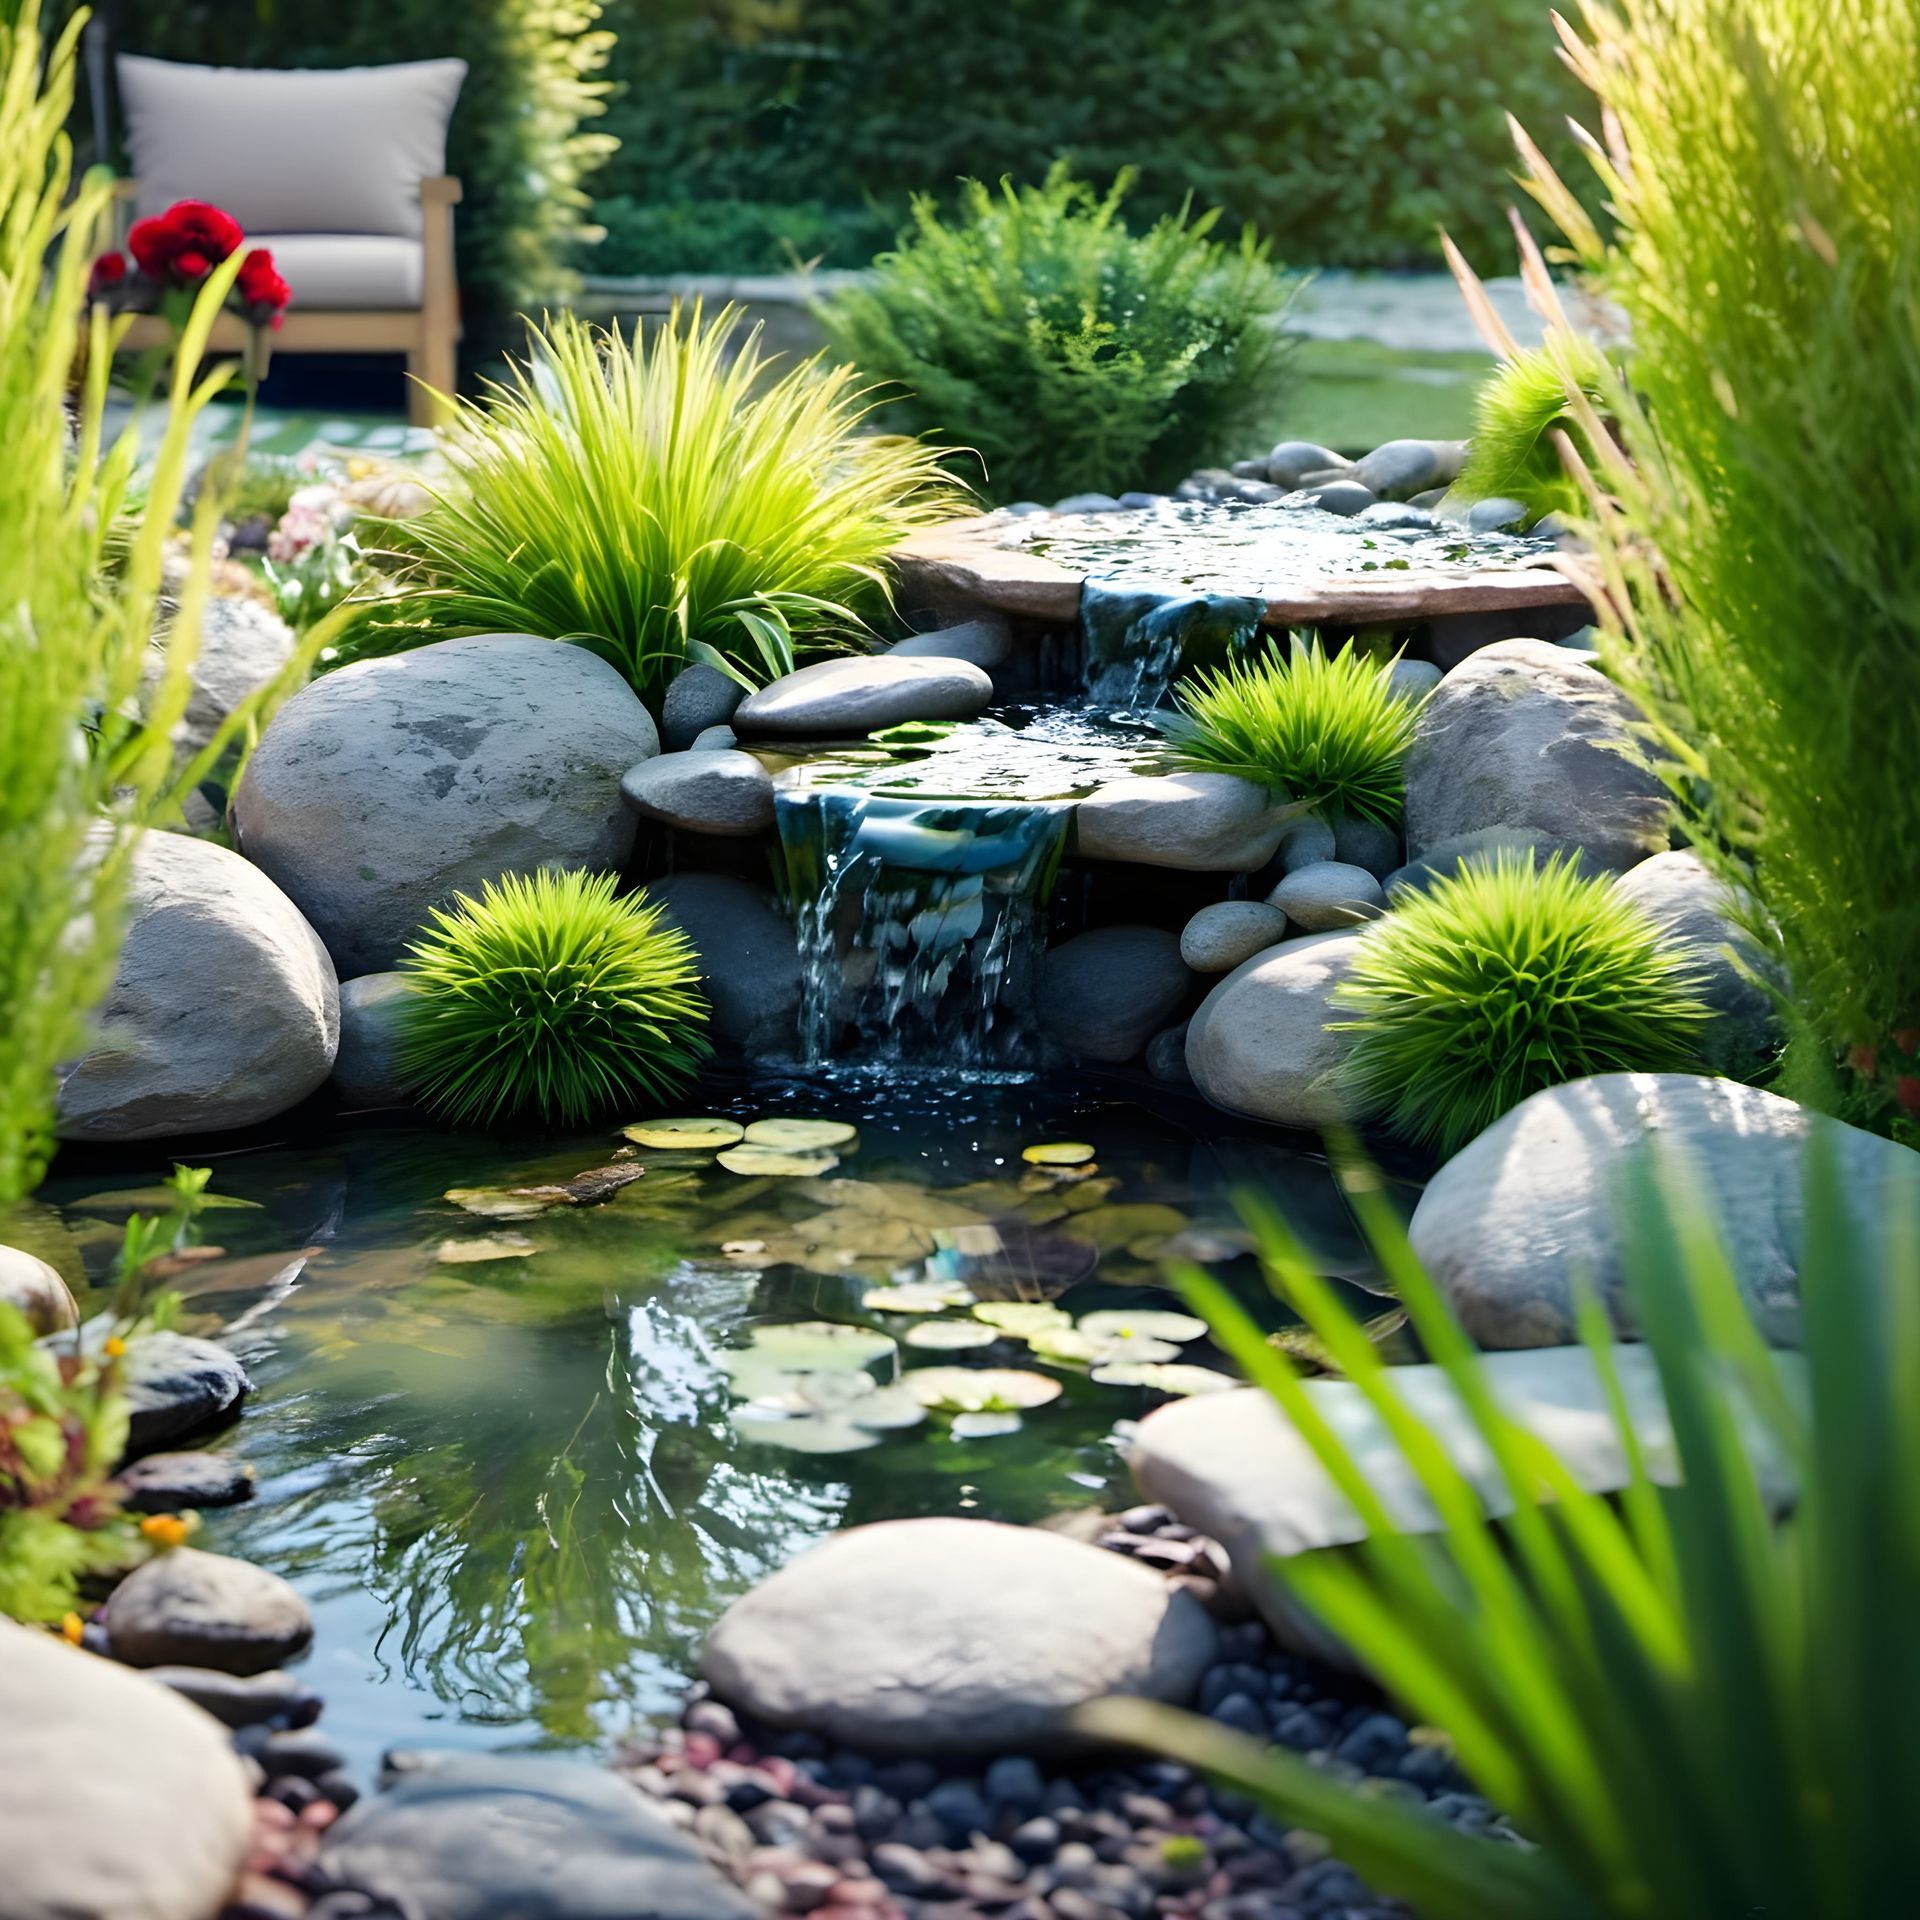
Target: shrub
662, 499
550, 995
1325, 729
1065, 351
1504, 978
1520, 408
1691, 1714
1757, 539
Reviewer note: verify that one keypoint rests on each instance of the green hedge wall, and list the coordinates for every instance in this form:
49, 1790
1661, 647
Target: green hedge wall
1349, 130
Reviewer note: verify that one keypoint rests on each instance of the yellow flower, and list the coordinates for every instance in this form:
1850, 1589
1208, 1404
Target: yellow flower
72, 1627
168, 1529
115, 1346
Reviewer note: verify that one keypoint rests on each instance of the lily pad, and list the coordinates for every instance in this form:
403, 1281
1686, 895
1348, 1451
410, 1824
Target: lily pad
1111, 1227
488, 1246
1057, 1153
706, 1132
1181, 1378
948, 1336
1022, 1318
587, 1189
916, 1296
1150, 1323
801, 1136
777, 1350
758, 1159
980, 1389
984, 1426
828, 1412
1080, 1348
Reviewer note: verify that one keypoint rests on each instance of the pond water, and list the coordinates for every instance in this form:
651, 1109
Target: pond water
517, 1490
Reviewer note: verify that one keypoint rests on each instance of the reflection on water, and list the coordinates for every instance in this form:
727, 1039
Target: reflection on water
512, 1488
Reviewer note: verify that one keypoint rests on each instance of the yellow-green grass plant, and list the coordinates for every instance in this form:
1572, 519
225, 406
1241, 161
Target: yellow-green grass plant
1504, 977
1690, 1711
665, 497
1513, 453
550, 996
1752, 519
89, 696
1325, 729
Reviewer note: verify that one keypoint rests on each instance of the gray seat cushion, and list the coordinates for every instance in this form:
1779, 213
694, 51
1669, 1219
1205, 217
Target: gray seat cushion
333, 272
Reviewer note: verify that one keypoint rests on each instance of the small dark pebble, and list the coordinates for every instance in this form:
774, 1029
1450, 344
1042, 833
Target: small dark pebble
301, 1751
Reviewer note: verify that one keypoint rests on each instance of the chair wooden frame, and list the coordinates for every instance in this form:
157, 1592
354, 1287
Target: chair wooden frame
429, 335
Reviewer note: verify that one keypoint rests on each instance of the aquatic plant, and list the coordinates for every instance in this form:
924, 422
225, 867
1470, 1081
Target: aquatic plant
1501, 979
550, 995
660, 498
1067, 352
1520, 408
1325, 729
1686, 1709
1753, 527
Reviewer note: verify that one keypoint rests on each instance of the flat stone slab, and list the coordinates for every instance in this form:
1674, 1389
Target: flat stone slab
965, 560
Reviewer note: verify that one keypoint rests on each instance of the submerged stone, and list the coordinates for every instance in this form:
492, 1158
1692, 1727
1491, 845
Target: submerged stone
1104, 994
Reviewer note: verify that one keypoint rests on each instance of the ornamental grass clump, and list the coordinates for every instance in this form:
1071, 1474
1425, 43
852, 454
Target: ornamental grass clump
1325, 729
1502, 979
1519, 409
550, 996
1068, 353
661, 498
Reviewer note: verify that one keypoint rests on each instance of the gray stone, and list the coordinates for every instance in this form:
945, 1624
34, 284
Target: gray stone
1167, 1057
1219, 937
224, 1009
1197, 822
1327, 895
513, 1837
1260, 1045
1522, 736
1236, 1469
1088, 503
1697, 914
1292, 460
1104, 994
1344, 497
366, 1070
1399, 469
122, 1801
1306, 842
34, 1290
1392, 516
194, 1609
1497, 515
241, 1700
176, 1482
697, 697
860, 694
749, 962
1136, 500
1509, 1222
175, 1383
1365, 843
1447, 857
1412, 679
986, 642
728, 792
713, 739
385, 788
243, 646
954, 1636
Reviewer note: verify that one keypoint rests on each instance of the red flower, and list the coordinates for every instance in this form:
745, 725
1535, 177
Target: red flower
262, 291
108, 271
191, 266
185, 243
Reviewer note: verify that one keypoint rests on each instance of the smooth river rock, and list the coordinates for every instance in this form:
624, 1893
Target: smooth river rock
192, 1609
1219, 937
1509, 1222
384, 789
1523, 736
697, 699
862, 693
175, 1383
1198, 822
177, 1482
1104, 994
243, 646
366, 1070
470, 1836
1328, 895
749, 961
36, 1292
727, 792
1260, 1045
986, 642
119, 1801
953, 1636
224, 1009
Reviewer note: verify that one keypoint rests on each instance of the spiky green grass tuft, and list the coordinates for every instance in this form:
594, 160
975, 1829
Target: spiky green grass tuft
1323, 728
1516, 413
1502, 979
550, 995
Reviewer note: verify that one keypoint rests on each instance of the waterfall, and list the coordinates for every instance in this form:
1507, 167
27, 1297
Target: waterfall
1136, 638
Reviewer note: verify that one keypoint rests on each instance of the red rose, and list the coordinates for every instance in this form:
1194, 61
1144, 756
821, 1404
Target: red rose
108, 271
151, 244
185, 243
191, 266
262, 291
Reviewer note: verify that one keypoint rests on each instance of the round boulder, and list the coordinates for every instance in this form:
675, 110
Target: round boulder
1523, 736
698, 697
1105, 994
121, 1798
243, 646
1507, 1225
366, 1070
1222, 935
386, 788
1260, 1044
954, 1636
861, 693
1198, 822
224, 1009
175, 1383
34, 1290
194, 1609
726, 793
1327, 895
749, 959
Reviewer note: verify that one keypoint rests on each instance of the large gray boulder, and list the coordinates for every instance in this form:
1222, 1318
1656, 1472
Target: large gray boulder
1696, 913
473, 1836
953, 1636
1105, 994
1525, 737
1260, 1044
120, 1798
1513, 1220
749, 960
224, 1009
986, 641
862, 693
386, 788
1197, 822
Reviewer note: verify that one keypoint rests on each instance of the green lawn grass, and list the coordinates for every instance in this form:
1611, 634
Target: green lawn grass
1353, 394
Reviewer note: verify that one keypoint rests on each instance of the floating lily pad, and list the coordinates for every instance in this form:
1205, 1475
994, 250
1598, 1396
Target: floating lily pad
801, 1136
1079, 1348
587, 1189
948, 1336
489, 1246
778, 1349
1057, 1153
827, 1412
773, 1161
1022, 1318
980, 1389
984, 1426
1150, 1323
1180, 1378
916, 1296
710, 1132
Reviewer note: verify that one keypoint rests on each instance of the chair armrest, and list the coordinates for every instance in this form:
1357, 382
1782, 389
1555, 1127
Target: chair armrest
440, 190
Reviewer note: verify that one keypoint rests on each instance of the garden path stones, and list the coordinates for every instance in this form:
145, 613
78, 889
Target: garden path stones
35, 1290
1197, 822
1104, 994
1328, 895
1506, 1225
1219, 937
749, 963
366, 1070
1522, 736
510, 1837
224, 1009
697, 698
945, 1636
834, 698
387, 787
1260, 1045
121, 1798
725, 792
194, 1609
175, 1383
